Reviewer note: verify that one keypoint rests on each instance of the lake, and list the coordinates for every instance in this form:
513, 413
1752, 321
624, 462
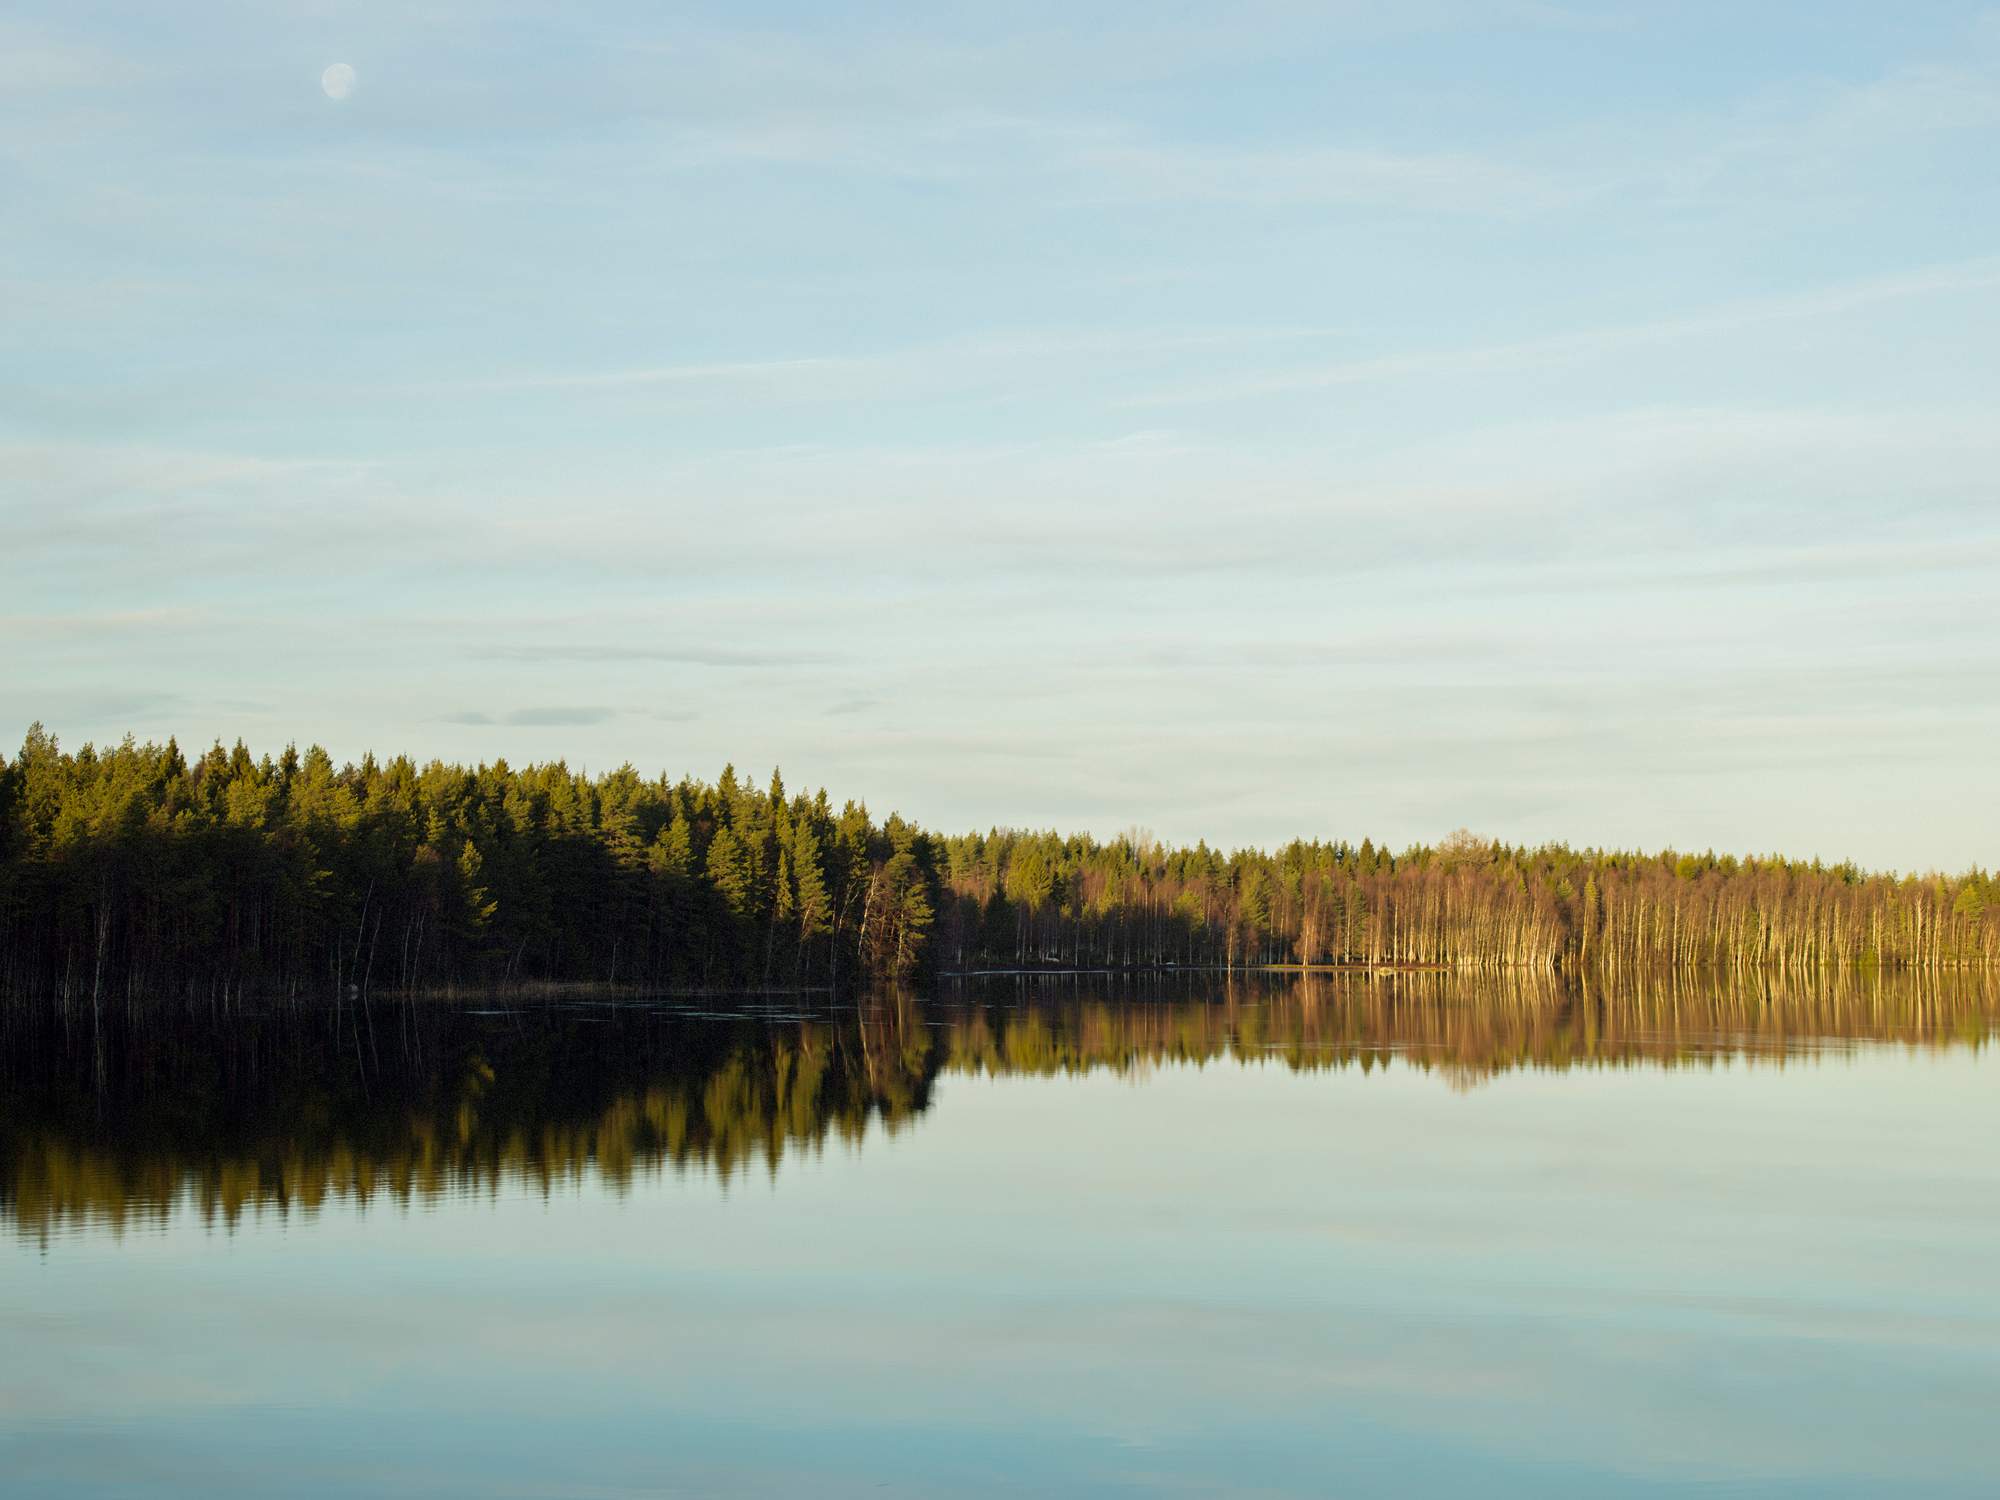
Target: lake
1183, 1234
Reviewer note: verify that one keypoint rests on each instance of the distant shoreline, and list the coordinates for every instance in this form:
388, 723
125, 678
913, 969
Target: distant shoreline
133, 871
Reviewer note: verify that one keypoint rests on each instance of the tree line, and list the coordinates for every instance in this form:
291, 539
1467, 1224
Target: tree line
1015, 898
134, 871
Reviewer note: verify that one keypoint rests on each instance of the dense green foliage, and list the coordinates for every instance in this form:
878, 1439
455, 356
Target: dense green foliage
134, 868
135, 871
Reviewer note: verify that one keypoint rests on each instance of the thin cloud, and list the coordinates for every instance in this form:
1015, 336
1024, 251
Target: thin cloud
693, 656
540, 717
1450, 183
91, 623
918, 365
555, 716
34, 63
814, 368
1365, 651
1826, 302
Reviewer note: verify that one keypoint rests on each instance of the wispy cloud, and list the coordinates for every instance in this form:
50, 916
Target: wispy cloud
539, 717
36, 62
57, 476
693, 656
1401, 649
911, 367
818, 371
1316, 174
1073, 158
1834, 301
29, 629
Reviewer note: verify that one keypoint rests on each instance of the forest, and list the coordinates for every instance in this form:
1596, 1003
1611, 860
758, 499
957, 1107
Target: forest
131, 873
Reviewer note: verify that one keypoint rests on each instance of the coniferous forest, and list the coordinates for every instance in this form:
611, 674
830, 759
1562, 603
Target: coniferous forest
134, 872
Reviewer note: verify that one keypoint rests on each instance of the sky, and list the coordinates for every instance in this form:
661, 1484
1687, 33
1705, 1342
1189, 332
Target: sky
1570, 421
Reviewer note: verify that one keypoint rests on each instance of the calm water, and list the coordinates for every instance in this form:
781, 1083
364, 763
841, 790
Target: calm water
1347, 1237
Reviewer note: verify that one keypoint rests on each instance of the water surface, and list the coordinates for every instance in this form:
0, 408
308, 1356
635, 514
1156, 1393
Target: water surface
1365, 1237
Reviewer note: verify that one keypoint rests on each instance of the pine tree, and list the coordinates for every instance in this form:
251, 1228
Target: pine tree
815, 901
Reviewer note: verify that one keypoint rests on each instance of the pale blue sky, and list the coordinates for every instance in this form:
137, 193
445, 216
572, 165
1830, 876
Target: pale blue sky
1571, 420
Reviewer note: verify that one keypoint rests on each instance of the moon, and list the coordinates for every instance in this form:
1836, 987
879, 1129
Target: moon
337, 82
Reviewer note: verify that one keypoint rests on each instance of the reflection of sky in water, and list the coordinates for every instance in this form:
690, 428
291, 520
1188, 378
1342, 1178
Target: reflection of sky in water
1230, 1278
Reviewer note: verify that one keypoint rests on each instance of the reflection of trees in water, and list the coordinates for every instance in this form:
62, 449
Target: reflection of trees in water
1473, 1028
277, 1113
